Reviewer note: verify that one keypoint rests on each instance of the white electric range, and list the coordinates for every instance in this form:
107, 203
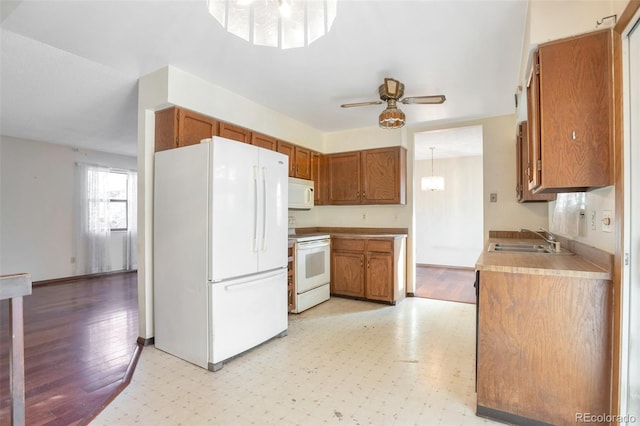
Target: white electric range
312, 273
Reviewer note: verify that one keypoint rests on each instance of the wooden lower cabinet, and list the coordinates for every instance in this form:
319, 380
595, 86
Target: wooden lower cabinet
291, 274
543, 347
369, 268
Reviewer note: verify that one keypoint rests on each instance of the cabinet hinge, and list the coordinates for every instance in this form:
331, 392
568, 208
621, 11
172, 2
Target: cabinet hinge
537, 69
539, 164
178, 115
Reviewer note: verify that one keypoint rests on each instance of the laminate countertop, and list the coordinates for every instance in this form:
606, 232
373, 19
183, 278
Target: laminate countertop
539, 263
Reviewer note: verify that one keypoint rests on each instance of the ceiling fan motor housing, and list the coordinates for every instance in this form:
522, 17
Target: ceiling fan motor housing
391, 89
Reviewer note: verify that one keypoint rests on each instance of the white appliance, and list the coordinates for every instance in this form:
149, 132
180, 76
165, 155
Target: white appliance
220, 250
300, 194
312, 270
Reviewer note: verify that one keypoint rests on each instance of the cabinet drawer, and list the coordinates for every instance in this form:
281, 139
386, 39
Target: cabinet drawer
385, 246
348, 244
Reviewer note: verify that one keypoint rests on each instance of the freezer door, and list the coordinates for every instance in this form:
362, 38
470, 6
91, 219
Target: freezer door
273, 237
235, 197
246, 312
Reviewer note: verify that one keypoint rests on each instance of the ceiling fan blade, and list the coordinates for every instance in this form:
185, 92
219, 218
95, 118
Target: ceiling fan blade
357, 104
433, 99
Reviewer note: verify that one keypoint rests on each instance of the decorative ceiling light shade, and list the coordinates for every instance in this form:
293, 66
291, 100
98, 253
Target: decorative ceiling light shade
276, 23
432, 183
392, 117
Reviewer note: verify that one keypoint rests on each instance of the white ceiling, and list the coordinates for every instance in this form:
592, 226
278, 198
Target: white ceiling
69, 68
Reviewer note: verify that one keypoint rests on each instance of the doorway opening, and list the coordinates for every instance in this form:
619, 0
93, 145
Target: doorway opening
448, 221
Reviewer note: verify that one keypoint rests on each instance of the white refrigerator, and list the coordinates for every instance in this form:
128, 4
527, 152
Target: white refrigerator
219, 250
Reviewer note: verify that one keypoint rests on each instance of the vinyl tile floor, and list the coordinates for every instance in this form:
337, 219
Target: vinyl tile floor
344, 362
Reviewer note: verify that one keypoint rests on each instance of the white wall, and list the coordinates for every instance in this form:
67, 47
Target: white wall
36, 207
449, 223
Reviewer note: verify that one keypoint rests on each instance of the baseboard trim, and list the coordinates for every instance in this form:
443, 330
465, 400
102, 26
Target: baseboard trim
512, 419
145, 341
428, 265
54, 281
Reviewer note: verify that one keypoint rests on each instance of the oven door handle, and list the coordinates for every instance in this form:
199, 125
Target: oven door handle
308, 245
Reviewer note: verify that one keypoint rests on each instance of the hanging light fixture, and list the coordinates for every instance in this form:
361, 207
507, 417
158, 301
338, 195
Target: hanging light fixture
276, 23
392, 117
432, 183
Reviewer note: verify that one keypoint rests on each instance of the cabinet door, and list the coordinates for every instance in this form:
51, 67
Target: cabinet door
264, 141
384, 176
302, 162
193, 127
347, 270
576, 114
379, 277
236, 133
533, 127
343, 175
176, 127
317, 175
524, 170
288, 150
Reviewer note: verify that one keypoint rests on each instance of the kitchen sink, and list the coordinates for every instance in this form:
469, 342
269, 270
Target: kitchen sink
525, 248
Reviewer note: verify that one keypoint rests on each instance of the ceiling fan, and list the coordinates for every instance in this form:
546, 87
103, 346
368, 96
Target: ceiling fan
391, 92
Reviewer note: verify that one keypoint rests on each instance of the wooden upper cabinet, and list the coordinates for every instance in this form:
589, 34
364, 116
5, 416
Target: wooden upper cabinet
303, 162
524, 169
572, 116
288, 149
236, 133
384, 176
343, 178
373, 176
176, 127
264, 141
318, 176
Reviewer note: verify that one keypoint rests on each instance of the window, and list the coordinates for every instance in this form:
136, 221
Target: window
118, 200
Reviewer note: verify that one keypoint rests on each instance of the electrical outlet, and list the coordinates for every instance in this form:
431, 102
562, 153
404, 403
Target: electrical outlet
292, 221
606, 221
593, 220
493, 197
364, 216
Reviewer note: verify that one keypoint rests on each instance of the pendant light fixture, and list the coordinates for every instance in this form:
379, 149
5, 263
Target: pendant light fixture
432, 183
276, 23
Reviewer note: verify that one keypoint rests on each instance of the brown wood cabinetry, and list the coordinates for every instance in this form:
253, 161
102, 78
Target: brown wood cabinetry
570, 113
288, 149
373, 176
236, 133
299, 159
176, 127
318, 176
264, 141
524, 169
302, 161
291, 274
368, 268
544, 347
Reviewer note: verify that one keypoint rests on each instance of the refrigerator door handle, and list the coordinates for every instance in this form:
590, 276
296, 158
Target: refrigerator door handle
264, 208
255, 215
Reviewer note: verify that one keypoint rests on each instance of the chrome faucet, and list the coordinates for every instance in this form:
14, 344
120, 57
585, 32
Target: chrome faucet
550, 238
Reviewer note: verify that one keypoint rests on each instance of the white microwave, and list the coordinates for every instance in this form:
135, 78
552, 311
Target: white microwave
300, 194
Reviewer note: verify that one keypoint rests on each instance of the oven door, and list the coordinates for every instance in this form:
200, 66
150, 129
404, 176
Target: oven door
312, 264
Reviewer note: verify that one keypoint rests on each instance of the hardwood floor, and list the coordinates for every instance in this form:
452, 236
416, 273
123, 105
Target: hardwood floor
453, 284
80, 345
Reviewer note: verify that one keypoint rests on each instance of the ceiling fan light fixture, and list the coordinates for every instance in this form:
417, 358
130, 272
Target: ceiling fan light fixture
391, 118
